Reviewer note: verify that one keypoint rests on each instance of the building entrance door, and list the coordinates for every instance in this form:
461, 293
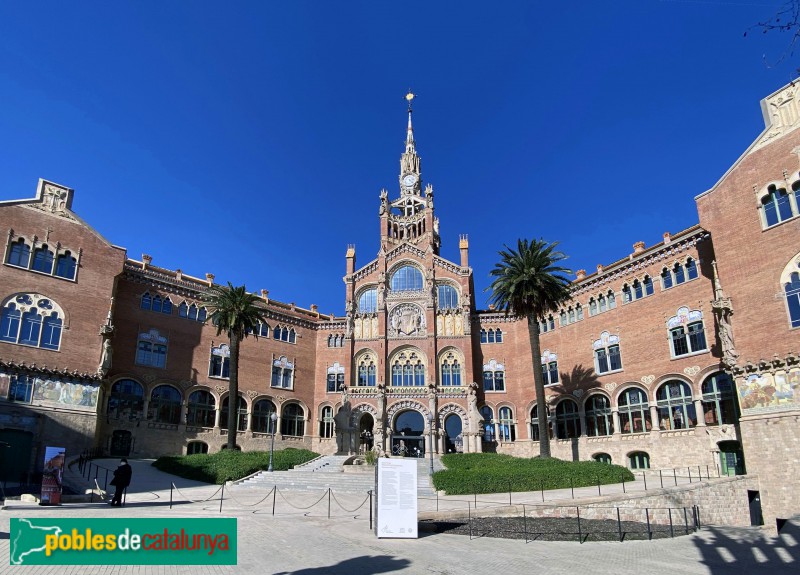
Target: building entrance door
731, 458
121, 443
15, 455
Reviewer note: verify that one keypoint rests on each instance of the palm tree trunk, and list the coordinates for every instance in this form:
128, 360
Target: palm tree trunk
233, 392
538, 384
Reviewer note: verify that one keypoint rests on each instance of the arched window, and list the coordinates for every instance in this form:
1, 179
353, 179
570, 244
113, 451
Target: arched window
126, 400
241, 412
563, 318
634, 413
43, 259
282, 373
680, 276
776, 206
31, 319
549, 367
368, 301
535, 435
488, 423
612, 300
284, 333
601, 303
484, 336
447, 297
599, 421
639, 460
408, 370
219, 365
691, 269
592, 307
648, 286
262, 416
156, 304
666, 278
498, 335
494, 376
196, 447
326, 428
686, 332
571, 312
491, 336
201, 409
579, 311
407, 278
66, 265
792, 290
568, 421
507, 427
602, 458
450, 369
719, 405
606, 353
152, 349
335, 380
146, 301
293, 421
165, 405
19, 254
366, 371
675, 406
192, 312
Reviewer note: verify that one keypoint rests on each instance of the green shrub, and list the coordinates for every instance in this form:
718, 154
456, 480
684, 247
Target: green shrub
230, 465
494, 473
370, 457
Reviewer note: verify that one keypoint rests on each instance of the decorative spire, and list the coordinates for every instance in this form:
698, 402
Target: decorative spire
410, 131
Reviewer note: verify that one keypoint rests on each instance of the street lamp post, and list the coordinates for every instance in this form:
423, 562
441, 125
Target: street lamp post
273, 418
430, 431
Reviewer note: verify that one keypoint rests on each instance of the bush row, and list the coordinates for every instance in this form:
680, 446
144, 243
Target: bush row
492, 473
230, 465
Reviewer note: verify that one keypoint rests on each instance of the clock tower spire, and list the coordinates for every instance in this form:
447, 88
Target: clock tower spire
409, 218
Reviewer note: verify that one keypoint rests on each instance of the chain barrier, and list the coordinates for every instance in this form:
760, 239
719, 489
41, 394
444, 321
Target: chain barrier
345, 509
175, 487
251, 504
302, 508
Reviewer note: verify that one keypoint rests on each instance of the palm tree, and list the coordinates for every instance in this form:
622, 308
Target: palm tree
234, 311
529, 283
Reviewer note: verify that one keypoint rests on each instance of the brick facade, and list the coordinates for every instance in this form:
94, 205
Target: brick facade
645, 363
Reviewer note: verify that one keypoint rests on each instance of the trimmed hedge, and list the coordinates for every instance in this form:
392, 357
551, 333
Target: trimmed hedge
230, 465
468, 473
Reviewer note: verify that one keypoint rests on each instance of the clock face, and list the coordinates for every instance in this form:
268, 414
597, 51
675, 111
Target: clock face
409, 180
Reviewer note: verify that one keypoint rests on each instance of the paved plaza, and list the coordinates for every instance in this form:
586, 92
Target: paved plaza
301, 539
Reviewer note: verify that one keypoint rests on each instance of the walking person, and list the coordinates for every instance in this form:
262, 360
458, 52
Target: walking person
122, 478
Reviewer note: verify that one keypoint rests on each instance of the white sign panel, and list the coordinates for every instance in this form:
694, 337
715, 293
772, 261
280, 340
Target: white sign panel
397, 498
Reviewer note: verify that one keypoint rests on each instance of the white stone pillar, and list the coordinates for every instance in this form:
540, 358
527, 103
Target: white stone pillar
654, 417
615, 418
699, 413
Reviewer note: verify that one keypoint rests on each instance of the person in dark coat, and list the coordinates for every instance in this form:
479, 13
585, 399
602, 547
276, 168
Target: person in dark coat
122, 478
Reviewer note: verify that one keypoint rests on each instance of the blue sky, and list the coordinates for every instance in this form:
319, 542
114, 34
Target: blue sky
251, 139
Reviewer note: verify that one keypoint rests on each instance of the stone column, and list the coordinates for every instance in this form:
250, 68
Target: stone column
184, 411
654, 417
699, 413
217, 413
615, 418
582, 416
249, 420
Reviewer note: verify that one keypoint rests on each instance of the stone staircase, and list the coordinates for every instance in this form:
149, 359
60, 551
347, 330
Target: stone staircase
328, 471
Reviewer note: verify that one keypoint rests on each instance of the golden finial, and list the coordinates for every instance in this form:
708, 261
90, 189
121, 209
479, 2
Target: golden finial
409, 97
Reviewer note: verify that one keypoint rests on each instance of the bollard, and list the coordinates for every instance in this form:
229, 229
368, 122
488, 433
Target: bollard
171, 487
622, 476
647, 516
699, 474
329, 502
675, 475
572, 487
509, 493
619, 526
699, 525
685, 522
708, 475
644, 478
598, 487
275, 493
689, 469
542, 486
580, 535
661, 477
221, 495
469, 520
437, 500
370, 509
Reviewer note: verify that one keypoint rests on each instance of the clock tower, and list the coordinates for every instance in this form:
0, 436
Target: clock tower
410, 217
